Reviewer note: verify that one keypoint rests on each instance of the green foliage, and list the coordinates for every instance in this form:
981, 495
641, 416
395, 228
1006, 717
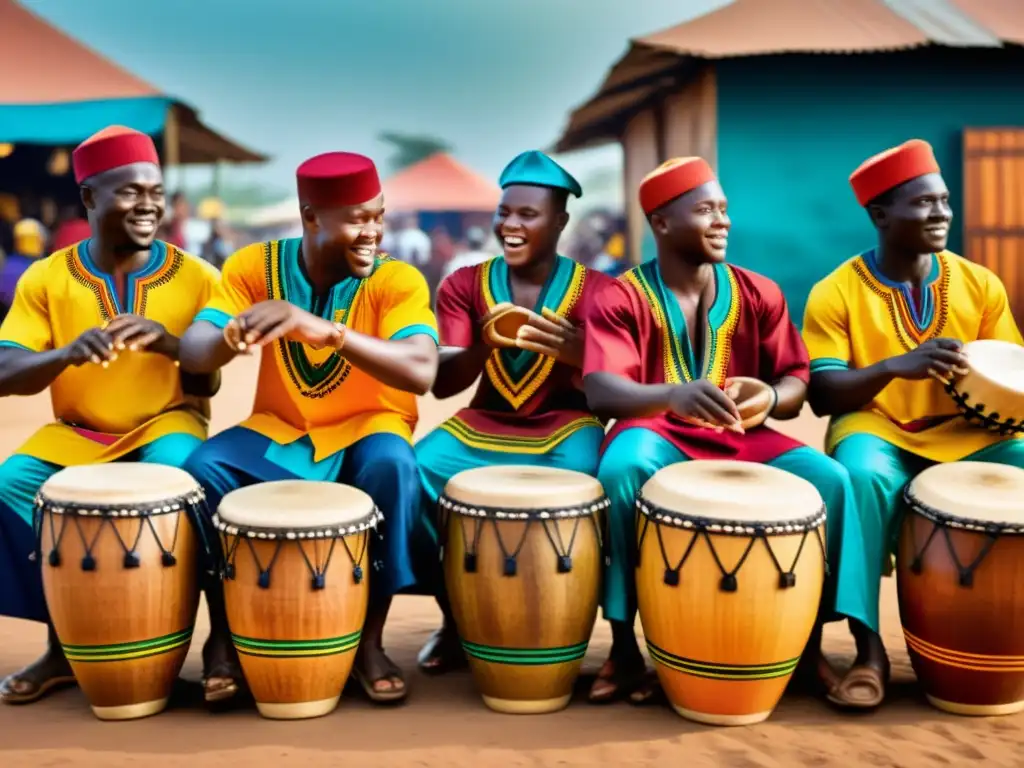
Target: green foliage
409, 149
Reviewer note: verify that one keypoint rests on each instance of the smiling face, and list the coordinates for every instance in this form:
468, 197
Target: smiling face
348, 236
126, 205
528, 222
915, 217
695, 225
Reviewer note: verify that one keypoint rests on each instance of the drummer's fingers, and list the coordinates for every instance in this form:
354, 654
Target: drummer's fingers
543, 324
954, 345
715, 413
539, 348
143, 342
724, 403
554, 317
497, 309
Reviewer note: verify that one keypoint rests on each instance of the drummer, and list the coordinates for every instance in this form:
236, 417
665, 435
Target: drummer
529, 407
661, 346
348, 340
881, 329
97, 323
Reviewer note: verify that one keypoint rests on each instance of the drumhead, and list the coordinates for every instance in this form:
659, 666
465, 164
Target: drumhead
971, 494
118, 484
296, 509
738, 495
998, 361
523, 488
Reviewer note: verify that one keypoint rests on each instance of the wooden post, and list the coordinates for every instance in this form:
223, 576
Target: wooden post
172, 143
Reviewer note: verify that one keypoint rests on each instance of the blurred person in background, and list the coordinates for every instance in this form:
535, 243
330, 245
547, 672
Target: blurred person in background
173, 229
73, 228
29, 244
217, 248
476, 253
412, 244
10, 212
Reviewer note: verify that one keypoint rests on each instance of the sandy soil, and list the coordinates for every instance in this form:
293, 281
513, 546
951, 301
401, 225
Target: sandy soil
444, 722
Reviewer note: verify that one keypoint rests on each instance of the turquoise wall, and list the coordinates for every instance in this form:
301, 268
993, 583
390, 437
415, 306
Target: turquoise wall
792, 128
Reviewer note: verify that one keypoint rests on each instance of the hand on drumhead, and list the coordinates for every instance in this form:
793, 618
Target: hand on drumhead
940, 359
93, 346
754, 399
702, 403
491, 339
552, 335
134, 333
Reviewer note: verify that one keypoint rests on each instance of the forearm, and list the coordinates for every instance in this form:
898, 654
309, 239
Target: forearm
23, 372
203, 349
791, 394
833, 393
615, 397
407, 364
459, 367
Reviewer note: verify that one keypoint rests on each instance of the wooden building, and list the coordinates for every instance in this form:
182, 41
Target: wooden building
786, 97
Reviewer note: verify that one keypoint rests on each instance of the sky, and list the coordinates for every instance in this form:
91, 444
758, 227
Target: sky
292, 78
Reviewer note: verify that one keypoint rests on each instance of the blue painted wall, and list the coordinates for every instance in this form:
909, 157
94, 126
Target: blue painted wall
791, 129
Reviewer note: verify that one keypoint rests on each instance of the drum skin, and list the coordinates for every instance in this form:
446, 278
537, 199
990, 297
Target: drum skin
725, 657
521, 621
965, 641
296, 644
125, 631
991, 393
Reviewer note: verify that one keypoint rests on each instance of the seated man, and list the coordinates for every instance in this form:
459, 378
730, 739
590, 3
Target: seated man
348, 340
882, 330
661, 344
528, 407
97, 323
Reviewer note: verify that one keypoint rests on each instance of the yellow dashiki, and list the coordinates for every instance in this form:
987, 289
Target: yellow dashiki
302, 391
105, 413
856, 317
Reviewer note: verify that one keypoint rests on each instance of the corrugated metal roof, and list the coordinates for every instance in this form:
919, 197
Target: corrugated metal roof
764, 27
1004, 18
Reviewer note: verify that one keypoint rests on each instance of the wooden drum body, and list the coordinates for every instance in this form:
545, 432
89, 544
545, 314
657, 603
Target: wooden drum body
991, 394
522, 568
120, 574
961, 586
730, 574
296, 589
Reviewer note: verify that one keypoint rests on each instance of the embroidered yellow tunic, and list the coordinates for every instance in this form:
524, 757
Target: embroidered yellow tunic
105, 413
304, 391
856, 317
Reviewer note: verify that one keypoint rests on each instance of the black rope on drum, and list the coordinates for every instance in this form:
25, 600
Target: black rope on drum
443, 523
564, 553
131, 557
824, 550
967, 572
917, 564
264, 577
672, 574
787, 578
470, 553
88, 561
728, 582
640, 526
230, 553
167, 558
357, 569
54, 557
510, 564
977, 413
318, 574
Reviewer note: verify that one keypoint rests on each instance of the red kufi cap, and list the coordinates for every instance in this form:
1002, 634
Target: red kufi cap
111, 148
337, 179
671, 179
889, 169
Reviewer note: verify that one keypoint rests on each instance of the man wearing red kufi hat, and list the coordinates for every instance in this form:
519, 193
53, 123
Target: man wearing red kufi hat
98, 324
885, 330
665, 346
348, 340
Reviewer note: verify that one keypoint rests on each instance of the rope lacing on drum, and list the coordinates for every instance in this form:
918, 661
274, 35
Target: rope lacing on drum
317, 572
564, 553
965, 573
510, 559
131, 557
728, 582
989, 421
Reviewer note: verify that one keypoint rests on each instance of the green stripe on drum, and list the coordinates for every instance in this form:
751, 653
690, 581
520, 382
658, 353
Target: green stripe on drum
140, 649
720, 671
296, 649
530, 657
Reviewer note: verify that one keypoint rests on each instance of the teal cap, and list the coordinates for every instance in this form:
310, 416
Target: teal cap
537, 169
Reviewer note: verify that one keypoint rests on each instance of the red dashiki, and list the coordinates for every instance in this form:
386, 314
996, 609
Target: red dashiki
637, 331
525, 402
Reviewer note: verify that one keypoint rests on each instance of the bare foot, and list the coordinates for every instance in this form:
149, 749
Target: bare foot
49, 672
222, 672
380, 678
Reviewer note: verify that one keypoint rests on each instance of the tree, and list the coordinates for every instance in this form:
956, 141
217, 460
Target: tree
409, 149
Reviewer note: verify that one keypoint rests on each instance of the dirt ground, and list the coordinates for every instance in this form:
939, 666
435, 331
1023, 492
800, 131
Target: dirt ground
444, 722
